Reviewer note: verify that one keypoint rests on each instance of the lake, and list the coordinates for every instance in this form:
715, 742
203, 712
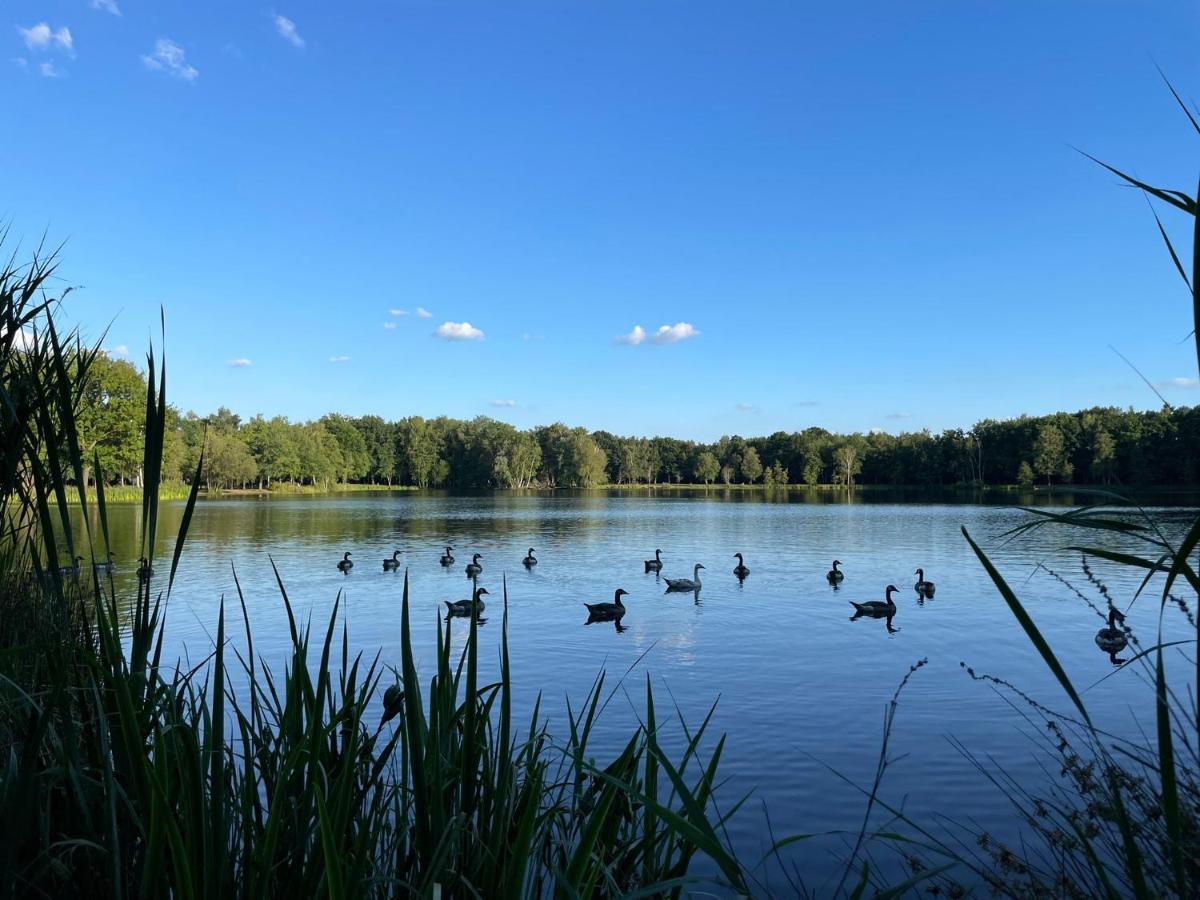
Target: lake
802, 688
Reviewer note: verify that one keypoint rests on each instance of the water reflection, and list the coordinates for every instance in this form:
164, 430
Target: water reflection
858, 614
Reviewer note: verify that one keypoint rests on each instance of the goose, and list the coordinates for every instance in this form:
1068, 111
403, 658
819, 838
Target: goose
447, 557
1112, 640
613, 610
391, 565
466, 607
473, 567
529, 561
740, 570
107, 567
144, 569
71, 571
345, 565
877, 607
686, 584
655, 565
922, 586
393, 703
833, 575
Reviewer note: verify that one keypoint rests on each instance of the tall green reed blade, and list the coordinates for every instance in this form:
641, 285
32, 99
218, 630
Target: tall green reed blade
1166, 766
186, 521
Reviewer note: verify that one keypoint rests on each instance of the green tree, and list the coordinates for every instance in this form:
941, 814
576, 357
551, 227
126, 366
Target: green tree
1104, 456
380, 441
752, 466
776, 476
707, 467
227, 461
1025, 474
111, 419
848, 462
1049, 451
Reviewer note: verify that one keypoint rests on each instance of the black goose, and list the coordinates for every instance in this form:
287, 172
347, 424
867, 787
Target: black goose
529, 561
345, 565
833, 575
613, 610
655, 565
447, 557
144, 569
740, 569
107, 567
922, 586
877, 607
1111, 639
473, 567
391, 565
466, 607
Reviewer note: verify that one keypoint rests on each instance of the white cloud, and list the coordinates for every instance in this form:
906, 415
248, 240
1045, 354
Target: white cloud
746, 407
287, 30
23, 340
458, 331
807, 403
169, 57
1180, 383
389, 325
397, 312
20, 62
42, 37
108, 6
899, 415
339, 359
239, 363
670, 334
635, 337
423, 313
49, 71
504, 404
119, 350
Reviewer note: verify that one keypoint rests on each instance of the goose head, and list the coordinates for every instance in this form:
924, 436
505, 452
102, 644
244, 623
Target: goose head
1114, 616
346, 555
836, 563
891, 589
621, 592
479, 592
920, 573
531, 551
477, 557
657, 554
739, 557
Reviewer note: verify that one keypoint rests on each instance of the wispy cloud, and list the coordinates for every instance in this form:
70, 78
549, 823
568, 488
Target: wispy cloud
504, 404
397, 312
423, 313
169, 57
20, 62
671, 334
42, 37
457, 331
287, 30
48, 70
807, 403
120, 350
899, 415
339, 359
1180, 383
108, 6
746, 407
240, 363
635, 336
389, 325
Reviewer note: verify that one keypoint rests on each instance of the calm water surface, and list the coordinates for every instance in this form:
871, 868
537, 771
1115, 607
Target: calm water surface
801, 688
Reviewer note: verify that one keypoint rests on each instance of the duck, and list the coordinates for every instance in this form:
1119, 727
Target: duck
466, 607
144, 569
655, 565
393, 703
106, 567
740, 570
473, 567
391, 565
686, 584
922, 586
833, 576
345, 565
877, 607
447, 557
1111, 639
529, 561
71, 571
613, 610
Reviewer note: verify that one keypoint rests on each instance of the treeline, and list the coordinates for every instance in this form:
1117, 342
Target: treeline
1097, 446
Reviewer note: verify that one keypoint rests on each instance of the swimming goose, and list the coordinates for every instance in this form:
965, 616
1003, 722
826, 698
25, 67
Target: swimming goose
473, 567
107, 566
740, 570
447, 557
345, 565
877, 607
613, 610
71, 571
144, 569
655, 565
529, 561
393, 703
391, 565
686, 584
466, 607
1112, 639
922, 586
833, 575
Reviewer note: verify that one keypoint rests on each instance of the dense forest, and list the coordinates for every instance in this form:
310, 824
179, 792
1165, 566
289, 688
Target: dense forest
1095, 446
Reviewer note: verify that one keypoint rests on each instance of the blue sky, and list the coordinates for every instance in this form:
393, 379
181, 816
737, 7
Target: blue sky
848, 215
